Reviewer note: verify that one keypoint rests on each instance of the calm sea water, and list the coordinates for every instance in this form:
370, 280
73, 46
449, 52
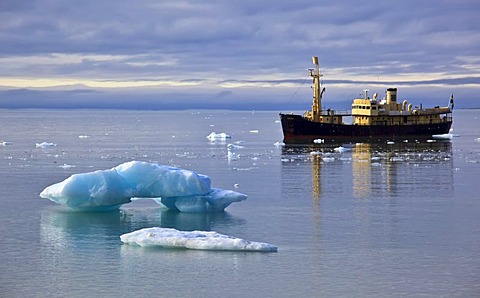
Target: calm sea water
377, 220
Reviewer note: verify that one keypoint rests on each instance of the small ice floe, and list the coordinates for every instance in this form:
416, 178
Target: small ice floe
279, 144
277, 121
477, 140
236, 185
66, 166
218, 136
445, 136
83, 137
5, 143
328, 159
201, 240
341, 149
376, 164
319, 141
315, 153
254, 131
45, 145
390, 142
431, 141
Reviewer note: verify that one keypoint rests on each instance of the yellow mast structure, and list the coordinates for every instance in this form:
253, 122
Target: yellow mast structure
317, 94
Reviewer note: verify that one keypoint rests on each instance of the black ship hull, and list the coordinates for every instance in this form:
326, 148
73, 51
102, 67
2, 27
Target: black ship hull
298, 130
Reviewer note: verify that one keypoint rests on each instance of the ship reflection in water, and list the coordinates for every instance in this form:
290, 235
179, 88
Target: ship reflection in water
368, 170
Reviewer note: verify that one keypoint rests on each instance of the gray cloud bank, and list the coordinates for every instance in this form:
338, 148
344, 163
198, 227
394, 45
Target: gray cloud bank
233, 54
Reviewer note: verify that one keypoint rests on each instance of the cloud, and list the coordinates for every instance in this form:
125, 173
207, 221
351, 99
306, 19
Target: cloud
237, 47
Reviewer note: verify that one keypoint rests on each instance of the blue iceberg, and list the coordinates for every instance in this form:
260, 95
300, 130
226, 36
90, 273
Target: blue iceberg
202, 240
175, 188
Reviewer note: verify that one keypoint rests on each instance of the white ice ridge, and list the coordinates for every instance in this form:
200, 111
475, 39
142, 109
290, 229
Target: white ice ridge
45, 145
341, 149
5, 143
171, 238
176, 188
445, 136
218, 136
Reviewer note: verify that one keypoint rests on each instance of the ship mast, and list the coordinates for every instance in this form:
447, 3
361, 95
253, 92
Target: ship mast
317, 94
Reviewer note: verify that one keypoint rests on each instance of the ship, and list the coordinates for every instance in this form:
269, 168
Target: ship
371, 119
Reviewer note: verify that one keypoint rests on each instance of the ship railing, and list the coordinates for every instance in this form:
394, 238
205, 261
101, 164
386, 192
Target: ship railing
329, 112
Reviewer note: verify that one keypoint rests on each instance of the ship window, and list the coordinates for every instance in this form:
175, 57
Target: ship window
374, 108
368, 107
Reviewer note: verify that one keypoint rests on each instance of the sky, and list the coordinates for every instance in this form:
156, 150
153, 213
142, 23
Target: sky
235, 54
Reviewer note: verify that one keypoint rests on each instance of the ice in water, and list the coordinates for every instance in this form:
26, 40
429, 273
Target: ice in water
176, 188
202, 240
45, 145
218, 136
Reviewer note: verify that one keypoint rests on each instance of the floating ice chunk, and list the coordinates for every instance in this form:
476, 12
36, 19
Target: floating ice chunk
5, 143
178, 189
66, 166
279, 144
328, 159
431, 141
477, 140
214, 201
202, 240
83, 137
218, 136
445, 136
341, 149
319, 141
254, 131
233, 147
390, 142
45, 145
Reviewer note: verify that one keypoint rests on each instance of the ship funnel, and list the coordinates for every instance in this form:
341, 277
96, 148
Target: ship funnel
391, 95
